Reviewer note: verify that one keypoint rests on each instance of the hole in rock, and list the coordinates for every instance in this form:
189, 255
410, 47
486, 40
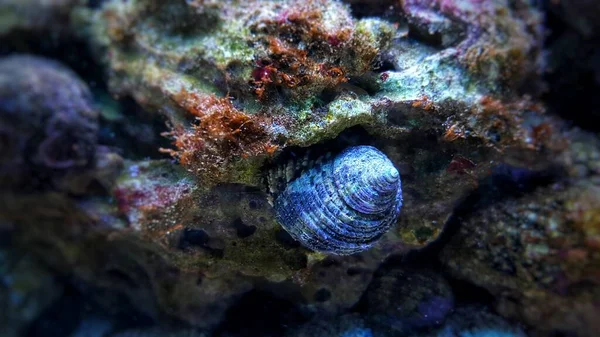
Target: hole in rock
261, 313
330, 262
286, 240
433, 39
354, 271
322, 295
387, 9
243, 230
296, 260
193, 237
198, 238
253, 204
386, 65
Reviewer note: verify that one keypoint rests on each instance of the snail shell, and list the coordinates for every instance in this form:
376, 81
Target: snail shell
341, 205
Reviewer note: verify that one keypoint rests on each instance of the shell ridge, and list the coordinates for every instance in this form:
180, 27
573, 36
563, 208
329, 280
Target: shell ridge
370, 159
331, 212
305, 208
341, 205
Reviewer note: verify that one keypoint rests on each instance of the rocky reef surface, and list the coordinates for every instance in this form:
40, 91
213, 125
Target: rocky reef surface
137, 143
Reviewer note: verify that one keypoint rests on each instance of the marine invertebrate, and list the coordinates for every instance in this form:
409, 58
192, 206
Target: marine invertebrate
341, 205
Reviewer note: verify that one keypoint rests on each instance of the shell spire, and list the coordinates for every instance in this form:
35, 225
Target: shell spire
366, 179
342, 205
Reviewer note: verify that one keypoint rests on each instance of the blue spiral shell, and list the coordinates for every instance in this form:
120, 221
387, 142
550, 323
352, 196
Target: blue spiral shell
342, 205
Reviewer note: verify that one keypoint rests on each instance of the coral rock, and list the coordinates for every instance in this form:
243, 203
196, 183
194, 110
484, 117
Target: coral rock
407, 298
538, 253
53, 124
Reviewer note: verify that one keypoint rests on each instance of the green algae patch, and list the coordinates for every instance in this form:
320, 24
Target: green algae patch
342, 113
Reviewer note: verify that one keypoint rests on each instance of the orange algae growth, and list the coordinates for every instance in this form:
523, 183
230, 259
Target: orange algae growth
220, 136
305, 56
423, 102
453, 133
290, 67
506, 120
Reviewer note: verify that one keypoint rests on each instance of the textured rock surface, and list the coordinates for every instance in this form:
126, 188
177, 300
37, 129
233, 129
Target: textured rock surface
48, 121
538, 253
476, 321
497, 40
27, 288
48, 129
308, 53
231, 229
343, 326
34, 15
448, 90
435, 99
126, 268
407, 299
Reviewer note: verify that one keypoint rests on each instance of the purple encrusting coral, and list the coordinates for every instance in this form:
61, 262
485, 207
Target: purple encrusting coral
48, 124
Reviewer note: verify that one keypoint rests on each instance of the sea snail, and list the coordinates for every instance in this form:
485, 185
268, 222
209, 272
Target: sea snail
340, 205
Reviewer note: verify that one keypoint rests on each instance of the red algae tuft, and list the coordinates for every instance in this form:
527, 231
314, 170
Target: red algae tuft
306, 55
221, 135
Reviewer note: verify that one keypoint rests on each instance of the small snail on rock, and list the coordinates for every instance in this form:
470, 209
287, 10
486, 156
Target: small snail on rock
340, 205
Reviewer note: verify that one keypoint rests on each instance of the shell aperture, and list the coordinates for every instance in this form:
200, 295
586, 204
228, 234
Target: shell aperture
342, 205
